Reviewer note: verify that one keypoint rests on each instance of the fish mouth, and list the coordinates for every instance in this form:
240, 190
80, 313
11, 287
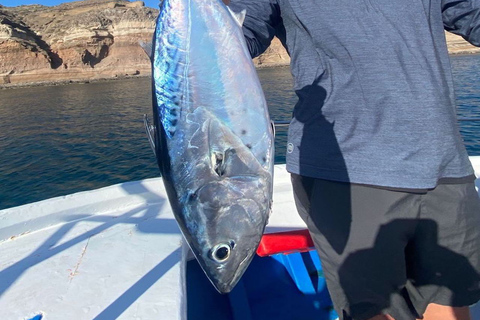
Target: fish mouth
245, 259
225, 287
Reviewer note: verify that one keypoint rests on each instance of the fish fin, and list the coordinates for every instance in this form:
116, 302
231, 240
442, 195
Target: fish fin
238, 16
228, 154
150, 129
273, 127
147, 47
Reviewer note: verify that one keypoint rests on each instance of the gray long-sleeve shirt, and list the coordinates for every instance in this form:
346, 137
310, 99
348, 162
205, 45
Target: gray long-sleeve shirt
376, 101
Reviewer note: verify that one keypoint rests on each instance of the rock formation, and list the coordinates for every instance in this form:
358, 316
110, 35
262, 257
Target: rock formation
94, 39
457, 45
79, 40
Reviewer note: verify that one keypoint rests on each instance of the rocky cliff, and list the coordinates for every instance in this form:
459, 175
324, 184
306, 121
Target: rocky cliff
79, 40
94, 39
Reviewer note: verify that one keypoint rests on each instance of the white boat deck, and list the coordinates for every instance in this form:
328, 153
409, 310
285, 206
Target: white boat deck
111, 253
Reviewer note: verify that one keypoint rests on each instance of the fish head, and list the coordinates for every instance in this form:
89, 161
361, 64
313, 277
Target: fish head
233, 218
228, 208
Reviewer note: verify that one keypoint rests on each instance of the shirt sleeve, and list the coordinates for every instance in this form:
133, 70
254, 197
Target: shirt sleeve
462, 17
261, 21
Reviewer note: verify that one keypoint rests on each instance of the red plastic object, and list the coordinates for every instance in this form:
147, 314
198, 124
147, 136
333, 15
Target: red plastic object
285, 242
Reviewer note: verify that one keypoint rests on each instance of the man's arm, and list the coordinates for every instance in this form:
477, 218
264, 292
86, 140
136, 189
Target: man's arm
260, 23
462, 17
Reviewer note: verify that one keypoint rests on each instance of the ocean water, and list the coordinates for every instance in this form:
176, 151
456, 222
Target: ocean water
63, 139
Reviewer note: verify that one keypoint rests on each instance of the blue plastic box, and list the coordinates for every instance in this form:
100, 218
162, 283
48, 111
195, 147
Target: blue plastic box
278, 287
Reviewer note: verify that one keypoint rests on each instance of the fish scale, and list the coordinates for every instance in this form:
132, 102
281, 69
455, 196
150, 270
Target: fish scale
213, 137
169, 70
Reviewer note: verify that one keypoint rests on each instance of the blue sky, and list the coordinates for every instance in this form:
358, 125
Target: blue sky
14, 3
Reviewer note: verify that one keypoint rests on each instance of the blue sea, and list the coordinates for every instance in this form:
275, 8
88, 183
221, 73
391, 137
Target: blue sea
58, 140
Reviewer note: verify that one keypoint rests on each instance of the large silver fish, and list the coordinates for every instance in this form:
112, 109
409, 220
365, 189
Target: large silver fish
213, 138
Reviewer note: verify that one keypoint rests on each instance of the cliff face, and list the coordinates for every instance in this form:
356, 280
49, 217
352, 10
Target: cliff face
79, 40
457, 45
95, 39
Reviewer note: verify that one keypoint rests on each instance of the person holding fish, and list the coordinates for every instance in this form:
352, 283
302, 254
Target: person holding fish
379, 170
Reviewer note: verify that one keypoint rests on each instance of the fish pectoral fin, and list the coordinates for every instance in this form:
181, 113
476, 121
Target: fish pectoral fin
238, 16
218, 163
150, 130
273, 127
228, 154
231, 163
148, 48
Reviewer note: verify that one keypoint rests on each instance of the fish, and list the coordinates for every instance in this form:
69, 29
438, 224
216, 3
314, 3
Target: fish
212, 135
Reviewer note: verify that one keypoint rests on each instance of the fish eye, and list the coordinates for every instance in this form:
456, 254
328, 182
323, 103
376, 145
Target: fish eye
221, 252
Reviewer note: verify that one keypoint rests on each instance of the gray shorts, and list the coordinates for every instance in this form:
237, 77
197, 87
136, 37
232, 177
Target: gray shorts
393, 252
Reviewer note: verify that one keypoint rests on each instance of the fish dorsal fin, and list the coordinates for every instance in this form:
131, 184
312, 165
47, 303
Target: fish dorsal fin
238, 16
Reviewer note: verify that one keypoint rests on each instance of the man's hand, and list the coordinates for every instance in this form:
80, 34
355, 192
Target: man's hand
227, 2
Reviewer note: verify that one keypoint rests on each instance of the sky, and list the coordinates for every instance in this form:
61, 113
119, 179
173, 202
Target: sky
14, 3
